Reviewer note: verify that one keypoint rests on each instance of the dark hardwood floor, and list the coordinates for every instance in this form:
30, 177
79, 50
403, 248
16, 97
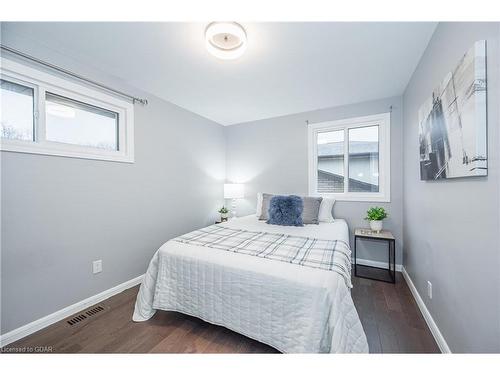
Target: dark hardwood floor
388, 312
391, 318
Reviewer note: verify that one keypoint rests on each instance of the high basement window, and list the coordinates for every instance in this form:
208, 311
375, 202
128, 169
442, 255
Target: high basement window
42, 113
350, 159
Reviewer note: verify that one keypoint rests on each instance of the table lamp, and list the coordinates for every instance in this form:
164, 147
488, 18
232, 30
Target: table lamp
233, 191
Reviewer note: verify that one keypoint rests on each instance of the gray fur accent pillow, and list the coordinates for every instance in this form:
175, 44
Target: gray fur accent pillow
266, 200
311, 210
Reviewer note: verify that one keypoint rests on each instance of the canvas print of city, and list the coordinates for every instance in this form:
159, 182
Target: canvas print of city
452, 122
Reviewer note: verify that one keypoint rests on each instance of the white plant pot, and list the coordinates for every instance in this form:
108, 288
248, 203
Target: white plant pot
376, 225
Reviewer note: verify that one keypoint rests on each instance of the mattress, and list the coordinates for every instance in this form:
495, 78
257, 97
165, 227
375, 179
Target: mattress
293, 308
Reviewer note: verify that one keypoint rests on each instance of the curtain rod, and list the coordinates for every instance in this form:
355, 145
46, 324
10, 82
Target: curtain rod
74, 75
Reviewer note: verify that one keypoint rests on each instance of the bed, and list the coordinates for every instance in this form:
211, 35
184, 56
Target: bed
288, 304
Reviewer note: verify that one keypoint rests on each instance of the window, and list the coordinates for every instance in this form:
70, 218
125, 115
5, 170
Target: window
350, 159
17, 111
330, 146
363, 159
42, 113
72, 122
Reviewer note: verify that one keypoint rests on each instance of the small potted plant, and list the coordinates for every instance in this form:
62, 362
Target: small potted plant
224, 213
375, 215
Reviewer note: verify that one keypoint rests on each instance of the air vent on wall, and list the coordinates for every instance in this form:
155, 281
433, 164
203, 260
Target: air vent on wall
81, 317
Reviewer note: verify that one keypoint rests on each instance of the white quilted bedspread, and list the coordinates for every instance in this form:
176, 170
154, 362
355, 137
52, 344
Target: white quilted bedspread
295, 309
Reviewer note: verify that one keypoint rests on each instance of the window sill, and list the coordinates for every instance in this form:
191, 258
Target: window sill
64, 151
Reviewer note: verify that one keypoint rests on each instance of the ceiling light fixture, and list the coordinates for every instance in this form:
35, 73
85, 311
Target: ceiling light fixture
226, 40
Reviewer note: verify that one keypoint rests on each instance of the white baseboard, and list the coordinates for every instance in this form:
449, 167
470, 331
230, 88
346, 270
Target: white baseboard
438, 336
41, 323
373, 263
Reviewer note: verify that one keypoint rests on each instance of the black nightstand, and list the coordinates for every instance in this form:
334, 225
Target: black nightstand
376, 273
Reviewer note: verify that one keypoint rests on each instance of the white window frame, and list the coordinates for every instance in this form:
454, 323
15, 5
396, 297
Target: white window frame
42, 82
383, 120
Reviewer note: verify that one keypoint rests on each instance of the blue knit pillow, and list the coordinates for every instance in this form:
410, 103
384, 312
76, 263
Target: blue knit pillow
286, 210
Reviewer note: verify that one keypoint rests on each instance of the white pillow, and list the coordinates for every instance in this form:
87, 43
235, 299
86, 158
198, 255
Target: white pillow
258, 212
325, 210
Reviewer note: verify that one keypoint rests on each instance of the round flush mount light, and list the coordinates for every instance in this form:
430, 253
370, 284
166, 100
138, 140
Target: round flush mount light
226, 40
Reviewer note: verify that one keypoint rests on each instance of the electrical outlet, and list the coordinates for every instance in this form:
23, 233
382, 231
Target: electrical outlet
97, 266
429, 289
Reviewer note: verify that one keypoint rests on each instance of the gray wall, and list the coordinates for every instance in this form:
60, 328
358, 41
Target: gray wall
271, 156
451, 231
59, 214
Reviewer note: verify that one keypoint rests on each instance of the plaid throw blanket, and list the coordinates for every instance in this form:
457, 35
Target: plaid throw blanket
329, 255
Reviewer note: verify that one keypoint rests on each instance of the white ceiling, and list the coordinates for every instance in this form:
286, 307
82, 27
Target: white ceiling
287, 68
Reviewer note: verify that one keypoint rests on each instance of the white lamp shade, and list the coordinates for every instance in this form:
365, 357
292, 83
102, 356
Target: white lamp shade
233, 191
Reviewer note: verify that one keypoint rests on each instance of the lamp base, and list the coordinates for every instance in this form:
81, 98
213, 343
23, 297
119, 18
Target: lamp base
233, 209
